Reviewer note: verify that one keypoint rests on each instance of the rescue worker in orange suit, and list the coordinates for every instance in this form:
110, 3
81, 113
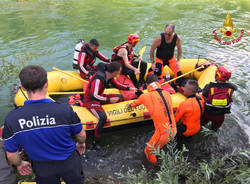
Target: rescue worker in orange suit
87, 57
189, 112
218, 98
159, 105
165, 45
125, 55
94, 97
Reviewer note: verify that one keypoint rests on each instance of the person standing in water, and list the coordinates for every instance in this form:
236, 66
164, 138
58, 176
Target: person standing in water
218, 98
159, 105
190, 111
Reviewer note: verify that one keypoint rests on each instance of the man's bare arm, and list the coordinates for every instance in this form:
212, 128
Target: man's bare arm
14, 158
81, 137
124, 54
179, 49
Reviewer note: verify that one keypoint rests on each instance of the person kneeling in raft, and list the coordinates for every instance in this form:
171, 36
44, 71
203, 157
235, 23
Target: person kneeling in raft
164, 122
87, 55
94, 97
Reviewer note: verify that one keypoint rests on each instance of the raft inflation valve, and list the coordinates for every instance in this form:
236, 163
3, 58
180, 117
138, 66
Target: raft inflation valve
133, 115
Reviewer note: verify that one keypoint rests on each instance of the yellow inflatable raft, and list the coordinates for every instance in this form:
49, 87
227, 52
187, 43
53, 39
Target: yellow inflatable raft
117, 113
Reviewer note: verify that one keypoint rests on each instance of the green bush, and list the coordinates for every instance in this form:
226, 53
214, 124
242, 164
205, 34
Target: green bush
175, 168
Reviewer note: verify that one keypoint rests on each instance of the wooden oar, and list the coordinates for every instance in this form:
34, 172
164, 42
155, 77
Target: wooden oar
54, 68
141, 54
66, 93
182, 75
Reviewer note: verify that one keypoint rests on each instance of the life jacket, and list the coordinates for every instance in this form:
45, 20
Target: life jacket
78, 48
91, 56
100, 74
200, 101
219, 101
119, 59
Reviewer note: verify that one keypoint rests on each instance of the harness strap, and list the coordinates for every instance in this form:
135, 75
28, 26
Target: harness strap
166, 105
23, 93
198, 100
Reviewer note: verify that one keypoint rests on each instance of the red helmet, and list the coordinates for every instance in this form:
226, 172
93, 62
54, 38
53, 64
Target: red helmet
222, 73
133, 39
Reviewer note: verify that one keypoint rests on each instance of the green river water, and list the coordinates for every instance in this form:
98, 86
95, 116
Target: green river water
44, 32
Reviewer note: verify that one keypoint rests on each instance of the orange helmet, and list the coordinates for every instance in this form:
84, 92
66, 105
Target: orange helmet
222, 73
133, 39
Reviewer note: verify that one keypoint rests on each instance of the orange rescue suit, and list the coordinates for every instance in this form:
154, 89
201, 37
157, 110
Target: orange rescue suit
163, 130
189, 112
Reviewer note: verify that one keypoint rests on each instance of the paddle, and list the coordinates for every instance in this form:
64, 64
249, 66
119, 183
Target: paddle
66, 93
145, 91
54, 68
141, 54
182, 75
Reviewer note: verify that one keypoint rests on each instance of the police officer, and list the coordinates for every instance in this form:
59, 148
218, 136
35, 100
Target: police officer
43, 128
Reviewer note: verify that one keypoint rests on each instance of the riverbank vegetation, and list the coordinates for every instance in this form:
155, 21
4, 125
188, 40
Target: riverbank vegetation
175, 168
